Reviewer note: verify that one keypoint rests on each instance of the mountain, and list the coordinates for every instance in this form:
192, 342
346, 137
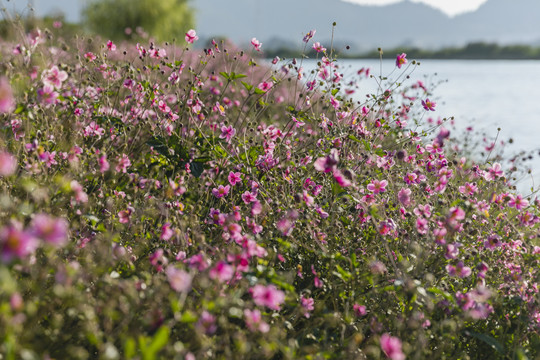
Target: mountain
366, 27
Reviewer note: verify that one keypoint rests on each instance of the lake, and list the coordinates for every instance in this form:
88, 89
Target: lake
485, 94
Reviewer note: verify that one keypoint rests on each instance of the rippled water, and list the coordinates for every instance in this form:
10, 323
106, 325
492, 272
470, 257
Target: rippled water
485, 94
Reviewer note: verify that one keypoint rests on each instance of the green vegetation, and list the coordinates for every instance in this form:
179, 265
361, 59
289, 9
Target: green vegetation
472, 51
122, 19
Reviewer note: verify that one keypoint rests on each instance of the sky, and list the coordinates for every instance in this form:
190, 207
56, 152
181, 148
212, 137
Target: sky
450, 7
71, 8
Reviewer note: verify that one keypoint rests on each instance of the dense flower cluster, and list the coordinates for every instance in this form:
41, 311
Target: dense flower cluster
166, 203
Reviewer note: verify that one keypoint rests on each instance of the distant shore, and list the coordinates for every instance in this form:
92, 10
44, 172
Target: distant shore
472, 51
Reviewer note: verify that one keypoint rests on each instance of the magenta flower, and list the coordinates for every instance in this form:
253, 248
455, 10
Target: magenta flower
265, 85
459, 270
494, 172
47, 95
80, 195
223, 272
307, 305
52, 230
227, 132
391, 346
318, 47
111, 46
327, 164
309, 35
401, 60
377, 186
191, 36
254, 321
268, 296
123, 163
234, 178
256, 44
207, 323
124, 216
8, 164
221, 191
249, 197
428, 105
54, 77
16, 243
7, 101
359, 310
103, 163
404, 196
166, 232
179, 280
518, 202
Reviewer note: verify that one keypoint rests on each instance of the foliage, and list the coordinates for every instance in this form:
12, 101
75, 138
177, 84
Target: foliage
165, 203
163, 20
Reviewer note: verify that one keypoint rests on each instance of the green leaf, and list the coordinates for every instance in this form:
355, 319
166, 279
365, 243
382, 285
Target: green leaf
247, 86
490, 340
196, 168
161, 338
130, 348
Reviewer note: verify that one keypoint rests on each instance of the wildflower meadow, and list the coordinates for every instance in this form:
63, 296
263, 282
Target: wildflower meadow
161, 202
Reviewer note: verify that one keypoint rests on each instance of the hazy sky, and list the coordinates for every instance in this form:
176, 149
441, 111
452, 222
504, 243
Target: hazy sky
71, 8
450, 7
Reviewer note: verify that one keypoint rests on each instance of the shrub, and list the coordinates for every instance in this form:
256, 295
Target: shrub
123, 19
167, 203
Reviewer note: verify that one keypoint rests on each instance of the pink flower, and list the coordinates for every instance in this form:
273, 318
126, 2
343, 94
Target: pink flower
518, 202
268, 296
221, 191
359, 310
318, 47
123, 163
401, 60
307, 305
103, 163
459, 270
309, 35
256, 44
428, 105
249, 197
16, 242
179, 280
377, 186
222, 271
191, 36
327, 164
254, 321
391, 346
7, 101
8, 164
90, 56
207, 323
47, 95
54, 77
166, 232
51, 230
494, 172
111, 46
234, 178
265, 86
404, 196
80, 195
227, 132
125, 215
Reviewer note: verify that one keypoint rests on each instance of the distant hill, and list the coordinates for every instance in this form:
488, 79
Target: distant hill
276, 22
